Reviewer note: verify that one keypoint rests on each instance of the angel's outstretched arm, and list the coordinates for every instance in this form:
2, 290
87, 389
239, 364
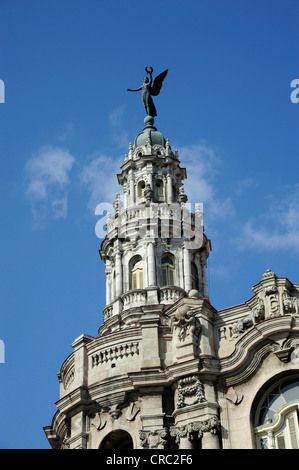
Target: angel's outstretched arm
137, 89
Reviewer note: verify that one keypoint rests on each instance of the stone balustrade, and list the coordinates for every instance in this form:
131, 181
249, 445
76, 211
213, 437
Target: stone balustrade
170, 294
134, 298
115, 352
153, 212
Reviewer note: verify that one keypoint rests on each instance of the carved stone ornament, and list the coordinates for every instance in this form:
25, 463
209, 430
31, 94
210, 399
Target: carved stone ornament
153, 439
290, 304
114, 412
257, 314
190, 392
272, 300
234, 396
133, 410
268, 274
97, 420
195, 429
185, 323
288, 350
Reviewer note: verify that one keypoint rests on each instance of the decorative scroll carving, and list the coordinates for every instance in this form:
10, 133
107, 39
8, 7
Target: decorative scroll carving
190, 391
97, 420
133, 410
153, 439
288, 350
234, 396
185, 323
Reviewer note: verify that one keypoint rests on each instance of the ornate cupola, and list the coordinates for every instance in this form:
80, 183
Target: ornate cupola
154, 250
167, 370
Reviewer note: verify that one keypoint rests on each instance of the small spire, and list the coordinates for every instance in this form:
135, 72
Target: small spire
183, 198
167, 147
130, 150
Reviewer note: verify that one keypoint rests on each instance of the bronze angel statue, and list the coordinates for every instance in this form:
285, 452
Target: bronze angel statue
150, 89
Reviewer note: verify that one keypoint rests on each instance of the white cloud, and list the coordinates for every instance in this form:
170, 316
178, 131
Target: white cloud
98, 176
278, 228
47, 175
201, 162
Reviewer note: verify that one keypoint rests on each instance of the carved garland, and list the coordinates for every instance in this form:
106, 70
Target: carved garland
190, 391
198, 428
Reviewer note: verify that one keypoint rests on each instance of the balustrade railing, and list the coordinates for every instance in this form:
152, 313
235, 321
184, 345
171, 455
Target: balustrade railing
134, 298
170, 294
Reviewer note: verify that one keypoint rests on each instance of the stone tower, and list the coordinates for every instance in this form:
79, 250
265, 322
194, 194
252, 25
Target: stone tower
167, 370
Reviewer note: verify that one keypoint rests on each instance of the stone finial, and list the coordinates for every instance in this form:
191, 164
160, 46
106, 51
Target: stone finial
117, 204
268, 274
108, 219
182, 198
130, 150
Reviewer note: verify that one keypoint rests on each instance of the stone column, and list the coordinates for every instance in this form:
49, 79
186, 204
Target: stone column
204, 278
169, 189
118, 275
108, 287
132, 191
187, 270
150, 351
185, 443
150, 179
209, 441
81, 360
210, 429
151, 265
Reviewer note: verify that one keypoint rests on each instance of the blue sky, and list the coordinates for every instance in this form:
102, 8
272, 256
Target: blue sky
65, 127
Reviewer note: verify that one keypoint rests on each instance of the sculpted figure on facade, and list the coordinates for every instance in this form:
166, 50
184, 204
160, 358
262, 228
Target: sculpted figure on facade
149, 89
257, 314
185, 324
290, 303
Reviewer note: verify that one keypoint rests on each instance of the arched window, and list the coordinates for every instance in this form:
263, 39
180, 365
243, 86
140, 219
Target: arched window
277, 417
168, 269
194, 276
159, 188
136, 273
140, 188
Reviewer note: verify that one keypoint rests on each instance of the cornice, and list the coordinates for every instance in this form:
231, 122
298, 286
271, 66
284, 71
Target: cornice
254, 346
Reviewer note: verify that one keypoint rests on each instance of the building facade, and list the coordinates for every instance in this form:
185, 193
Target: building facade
167, 370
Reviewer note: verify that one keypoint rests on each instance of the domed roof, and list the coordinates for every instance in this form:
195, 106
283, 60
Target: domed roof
149, 131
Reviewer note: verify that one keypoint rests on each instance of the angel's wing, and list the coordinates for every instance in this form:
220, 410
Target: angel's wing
157, 85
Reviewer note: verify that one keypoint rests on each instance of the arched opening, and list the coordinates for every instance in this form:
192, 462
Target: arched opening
159, 188
140, 188
117, 440
136, 273
168, 269
276, 418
